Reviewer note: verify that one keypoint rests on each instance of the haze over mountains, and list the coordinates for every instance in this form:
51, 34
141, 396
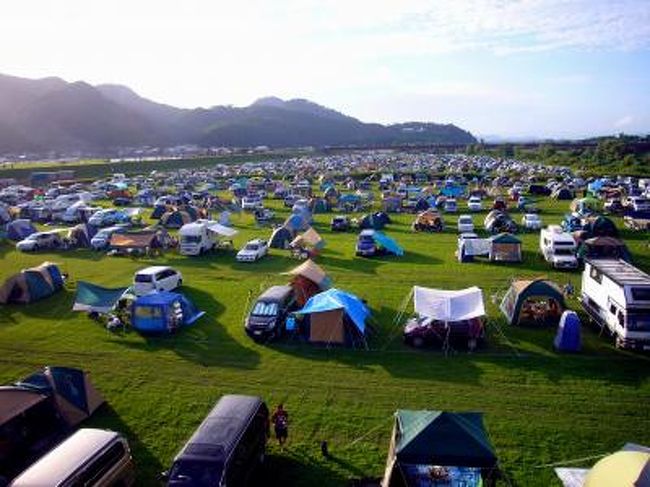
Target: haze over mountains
51, 114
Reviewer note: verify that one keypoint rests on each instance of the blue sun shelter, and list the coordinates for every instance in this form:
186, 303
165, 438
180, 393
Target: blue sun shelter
163, 312
567, 338
93, 298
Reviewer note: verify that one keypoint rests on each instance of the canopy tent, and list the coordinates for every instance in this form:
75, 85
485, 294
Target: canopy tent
163, 312
336, 317
443, 305
567, 338
604, 248
437, 438
307, 280
311, 238
518, 304
384, 241
93, 298
152, 238
280, 238
505, 247
20, 229
33, 284
223, 230
74, 395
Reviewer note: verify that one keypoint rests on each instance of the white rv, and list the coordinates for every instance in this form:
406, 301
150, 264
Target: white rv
201, 236
616, 295
558, 247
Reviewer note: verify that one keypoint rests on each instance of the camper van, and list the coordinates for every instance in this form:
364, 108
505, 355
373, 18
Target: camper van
266, 319
558, 247
226, 448
196, 238
616, 295
96, 457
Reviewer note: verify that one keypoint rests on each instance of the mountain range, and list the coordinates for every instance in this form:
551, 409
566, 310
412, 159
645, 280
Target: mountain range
51, 114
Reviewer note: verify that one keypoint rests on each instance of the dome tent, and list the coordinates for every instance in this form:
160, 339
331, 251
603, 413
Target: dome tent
32, 284
163, 312
516, 304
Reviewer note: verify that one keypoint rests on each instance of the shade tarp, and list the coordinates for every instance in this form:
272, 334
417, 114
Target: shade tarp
222, 230
443, 438
312, 271
443, 305
90, 297
388, 243
333, 299
133, 240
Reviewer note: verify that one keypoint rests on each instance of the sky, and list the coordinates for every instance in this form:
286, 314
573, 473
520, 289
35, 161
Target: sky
520, 68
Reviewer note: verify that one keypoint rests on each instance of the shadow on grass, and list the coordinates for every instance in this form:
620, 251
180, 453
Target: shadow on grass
300, 469
147, 465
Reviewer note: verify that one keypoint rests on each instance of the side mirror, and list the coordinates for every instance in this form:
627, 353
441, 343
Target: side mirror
164, 475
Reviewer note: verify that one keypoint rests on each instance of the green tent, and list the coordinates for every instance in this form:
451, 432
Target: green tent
514, 304
437, 438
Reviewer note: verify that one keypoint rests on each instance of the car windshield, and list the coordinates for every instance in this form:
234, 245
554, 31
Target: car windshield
190, 238
366, 239
194, 473
251, 247
563, 251
464, 221
265, 309
143, 278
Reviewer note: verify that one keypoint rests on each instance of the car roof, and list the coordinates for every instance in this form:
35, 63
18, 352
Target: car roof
154, 269
276, 293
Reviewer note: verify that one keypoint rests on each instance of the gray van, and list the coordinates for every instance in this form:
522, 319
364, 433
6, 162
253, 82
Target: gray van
266, 319
90, 457
226, 448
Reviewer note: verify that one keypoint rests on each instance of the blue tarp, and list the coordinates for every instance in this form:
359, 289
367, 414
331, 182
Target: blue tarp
388, 243
336, 299
452, 191
567, 338
91, 297
156, 312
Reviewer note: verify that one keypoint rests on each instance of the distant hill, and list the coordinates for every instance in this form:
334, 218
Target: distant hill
51, 114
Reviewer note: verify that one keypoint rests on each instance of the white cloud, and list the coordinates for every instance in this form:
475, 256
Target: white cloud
623, 122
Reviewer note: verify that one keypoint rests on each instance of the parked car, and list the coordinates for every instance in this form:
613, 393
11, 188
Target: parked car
465, 224
105, 218
40, 241
266, 319
531, 221
366, 245
253, 250
340, 223
103, 237
424, 331
226, 448
251, 203
450, 205
474, 204
156, 278
88, 457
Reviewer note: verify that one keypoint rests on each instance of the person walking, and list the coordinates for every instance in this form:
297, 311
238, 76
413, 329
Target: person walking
280, 420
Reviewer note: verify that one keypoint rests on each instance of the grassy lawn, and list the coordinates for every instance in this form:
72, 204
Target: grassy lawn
540, 407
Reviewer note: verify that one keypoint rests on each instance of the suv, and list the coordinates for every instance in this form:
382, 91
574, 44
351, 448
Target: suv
38, 241
465, 224
156, 278
253, 250
266, 319
103, 237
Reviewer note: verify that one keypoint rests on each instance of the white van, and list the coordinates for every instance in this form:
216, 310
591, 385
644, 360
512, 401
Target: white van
156, 278
558, 247
96, 457
196, 238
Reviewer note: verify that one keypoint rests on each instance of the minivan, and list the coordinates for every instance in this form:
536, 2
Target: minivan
89, 457
226, 448
266, 319
156, 278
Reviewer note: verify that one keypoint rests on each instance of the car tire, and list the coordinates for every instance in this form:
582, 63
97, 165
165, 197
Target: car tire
35, 247
417, 342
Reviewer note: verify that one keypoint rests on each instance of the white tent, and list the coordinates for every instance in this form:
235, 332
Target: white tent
442, 305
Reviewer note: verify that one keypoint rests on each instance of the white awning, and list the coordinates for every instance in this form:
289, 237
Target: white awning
222, 229
444, 305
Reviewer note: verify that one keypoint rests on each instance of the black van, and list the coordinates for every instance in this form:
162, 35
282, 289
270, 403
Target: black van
226, 448
266, 319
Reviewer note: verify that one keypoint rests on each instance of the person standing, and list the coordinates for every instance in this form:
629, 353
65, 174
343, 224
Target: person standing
280, 421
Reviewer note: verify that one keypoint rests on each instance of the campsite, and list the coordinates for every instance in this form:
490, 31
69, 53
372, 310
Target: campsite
540, 408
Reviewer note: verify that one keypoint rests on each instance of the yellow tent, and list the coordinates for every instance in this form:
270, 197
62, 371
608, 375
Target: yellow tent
621, 469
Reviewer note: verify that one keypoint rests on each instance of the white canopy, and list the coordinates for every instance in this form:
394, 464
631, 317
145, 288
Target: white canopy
442, 305
222, 229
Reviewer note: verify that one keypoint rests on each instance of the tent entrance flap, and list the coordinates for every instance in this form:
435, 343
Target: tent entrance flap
327, 327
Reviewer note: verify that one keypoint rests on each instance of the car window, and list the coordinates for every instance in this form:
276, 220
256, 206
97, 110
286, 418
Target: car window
143, 278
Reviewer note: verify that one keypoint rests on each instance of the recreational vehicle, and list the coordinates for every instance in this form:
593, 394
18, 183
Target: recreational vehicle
558, 247
197, 238
616, 295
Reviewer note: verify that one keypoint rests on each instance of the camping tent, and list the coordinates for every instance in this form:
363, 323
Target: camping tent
505, 247
93, 298
520, 307
308, 279
449, 306
163, 312
20, 229
601, 226
280, 238
499, 221
562, 193
311, 238
33, 284
297, 222
371, 222
424, 439
567, 338
604, 248
585, 206
336, 317
81, 234
74, 395
176, 219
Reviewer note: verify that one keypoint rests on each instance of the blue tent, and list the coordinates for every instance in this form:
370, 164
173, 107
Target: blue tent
388, 243
326, 311
595, 186
20, 229
452, 191
91, 297
567, 338
30, 285
297, 222
163, 312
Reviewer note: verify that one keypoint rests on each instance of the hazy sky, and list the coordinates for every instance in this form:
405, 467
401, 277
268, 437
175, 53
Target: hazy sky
525, 67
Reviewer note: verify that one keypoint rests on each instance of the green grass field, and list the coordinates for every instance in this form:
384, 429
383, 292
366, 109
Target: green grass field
540, 408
